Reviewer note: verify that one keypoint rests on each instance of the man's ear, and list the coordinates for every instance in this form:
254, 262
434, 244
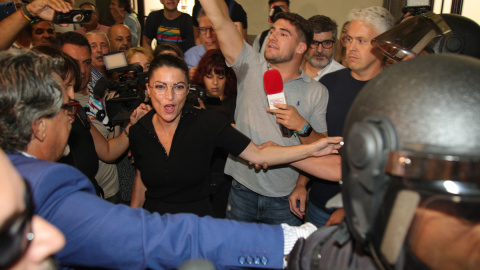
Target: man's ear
39, 129
301, 48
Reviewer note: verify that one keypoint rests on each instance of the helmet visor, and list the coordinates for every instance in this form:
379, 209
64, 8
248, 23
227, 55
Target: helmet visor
410, 37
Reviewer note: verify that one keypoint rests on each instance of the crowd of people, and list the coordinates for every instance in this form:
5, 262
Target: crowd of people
202, 166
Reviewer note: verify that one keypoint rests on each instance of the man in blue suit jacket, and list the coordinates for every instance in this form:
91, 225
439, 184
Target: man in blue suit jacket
102, 234
35, 121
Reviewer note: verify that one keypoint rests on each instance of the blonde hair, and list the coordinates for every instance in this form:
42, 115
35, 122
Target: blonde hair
130, 52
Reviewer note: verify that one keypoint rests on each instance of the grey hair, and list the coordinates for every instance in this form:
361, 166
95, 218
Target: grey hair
98, 32
201, 13
377, 16
29, 92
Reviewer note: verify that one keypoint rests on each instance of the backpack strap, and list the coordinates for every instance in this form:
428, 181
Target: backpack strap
182, 25
262, 39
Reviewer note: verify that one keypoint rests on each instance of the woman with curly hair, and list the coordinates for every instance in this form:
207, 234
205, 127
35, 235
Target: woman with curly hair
218, 81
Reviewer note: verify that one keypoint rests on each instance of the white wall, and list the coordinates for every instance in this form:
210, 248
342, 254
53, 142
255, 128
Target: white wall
470, 8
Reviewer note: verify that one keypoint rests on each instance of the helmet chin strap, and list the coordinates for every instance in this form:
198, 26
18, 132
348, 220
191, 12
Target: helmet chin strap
375, 257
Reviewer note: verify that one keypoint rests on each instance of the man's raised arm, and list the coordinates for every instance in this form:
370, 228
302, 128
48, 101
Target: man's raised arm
229, 38
44, 9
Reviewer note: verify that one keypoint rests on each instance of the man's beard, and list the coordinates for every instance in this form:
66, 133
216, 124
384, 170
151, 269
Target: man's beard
319, 64
279, 59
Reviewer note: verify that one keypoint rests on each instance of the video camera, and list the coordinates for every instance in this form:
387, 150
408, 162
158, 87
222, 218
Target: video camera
417, 7
129, 87
197, 92
414, 8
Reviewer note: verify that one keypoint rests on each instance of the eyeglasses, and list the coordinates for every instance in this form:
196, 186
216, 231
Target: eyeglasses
71, 107
204, 30
326, 44
16, 233
160, 88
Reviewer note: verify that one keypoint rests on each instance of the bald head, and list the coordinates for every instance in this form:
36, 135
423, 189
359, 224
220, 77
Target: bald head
120, 38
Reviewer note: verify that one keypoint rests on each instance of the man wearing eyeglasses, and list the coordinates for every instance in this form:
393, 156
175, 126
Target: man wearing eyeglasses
262, 196
343, 86
318, 60
208, 39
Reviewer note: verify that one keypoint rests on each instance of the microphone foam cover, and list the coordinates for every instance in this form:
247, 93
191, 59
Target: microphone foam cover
272, 82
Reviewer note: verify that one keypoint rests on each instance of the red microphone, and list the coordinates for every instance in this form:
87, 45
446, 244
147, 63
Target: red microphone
273, 84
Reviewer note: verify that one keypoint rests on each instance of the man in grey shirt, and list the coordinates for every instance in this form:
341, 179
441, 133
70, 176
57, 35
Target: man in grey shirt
262, 196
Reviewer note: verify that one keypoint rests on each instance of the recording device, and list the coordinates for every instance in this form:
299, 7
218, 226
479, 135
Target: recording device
274, 10
129, 86
417, 7
74, 16
7, 9
273, 84
197, 92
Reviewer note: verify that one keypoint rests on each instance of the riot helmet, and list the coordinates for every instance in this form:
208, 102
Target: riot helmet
411, 164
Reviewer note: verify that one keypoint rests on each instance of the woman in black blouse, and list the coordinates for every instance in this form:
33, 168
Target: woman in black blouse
173, 145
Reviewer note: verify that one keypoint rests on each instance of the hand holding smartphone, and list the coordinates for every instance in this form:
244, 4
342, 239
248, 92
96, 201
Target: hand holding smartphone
73, 16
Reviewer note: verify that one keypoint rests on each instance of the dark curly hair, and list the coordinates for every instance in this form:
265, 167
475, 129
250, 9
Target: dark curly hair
213, 60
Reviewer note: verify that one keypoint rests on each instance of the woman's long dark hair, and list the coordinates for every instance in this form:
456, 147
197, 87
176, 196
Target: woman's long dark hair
213, 60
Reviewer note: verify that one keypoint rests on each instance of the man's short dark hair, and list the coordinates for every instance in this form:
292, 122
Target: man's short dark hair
320, 24
73, 38
270, 2
89, 4
304, 30
125, 4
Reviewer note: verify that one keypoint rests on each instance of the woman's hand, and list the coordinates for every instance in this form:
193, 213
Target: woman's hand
327, 146
110, 95
260, 147
139, 112
202, 105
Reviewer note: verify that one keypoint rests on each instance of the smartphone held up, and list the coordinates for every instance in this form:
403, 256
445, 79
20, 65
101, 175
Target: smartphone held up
73, 16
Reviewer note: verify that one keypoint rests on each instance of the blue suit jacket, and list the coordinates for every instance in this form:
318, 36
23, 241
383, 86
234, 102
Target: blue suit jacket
101, 234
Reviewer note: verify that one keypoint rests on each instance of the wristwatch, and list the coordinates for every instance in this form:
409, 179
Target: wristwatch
306, 130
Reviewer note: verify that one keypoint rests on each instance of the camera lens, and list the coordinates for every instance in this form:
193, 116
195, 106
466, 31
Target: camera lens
77, 17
